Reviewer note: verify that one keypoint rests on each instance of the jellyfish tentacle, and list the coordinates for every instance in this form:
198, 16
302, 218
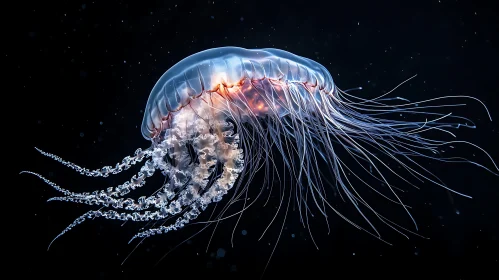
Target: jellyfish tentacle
135, 182
105, 171
48, 182
114, 215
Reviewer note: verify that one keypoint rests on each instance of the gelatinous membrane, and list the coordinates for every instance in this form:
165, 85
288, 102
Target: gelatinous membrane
255, 75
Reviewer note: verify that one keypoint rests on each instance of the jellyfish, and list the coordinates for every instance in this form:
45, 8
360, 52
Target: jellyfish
218, 116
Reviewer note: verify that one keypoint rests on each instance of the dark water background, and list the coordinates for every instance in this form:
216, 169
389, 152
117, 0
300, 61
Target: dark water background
81, 73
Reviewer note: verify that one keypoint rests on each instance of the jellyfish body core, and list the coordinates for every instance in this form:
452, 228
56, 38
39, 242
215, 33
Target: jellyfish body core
215, 118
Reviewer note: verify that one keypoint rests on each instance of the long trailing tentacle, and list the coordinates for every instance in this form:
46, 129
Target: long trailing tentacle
313, 124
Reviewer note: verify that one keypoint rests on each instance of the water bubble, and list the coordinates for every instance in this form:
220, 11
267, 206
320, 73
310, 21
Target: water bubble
220, 253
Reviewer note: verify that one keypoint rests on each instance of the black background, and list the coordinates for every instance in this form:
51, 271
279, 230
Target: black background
79, 75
